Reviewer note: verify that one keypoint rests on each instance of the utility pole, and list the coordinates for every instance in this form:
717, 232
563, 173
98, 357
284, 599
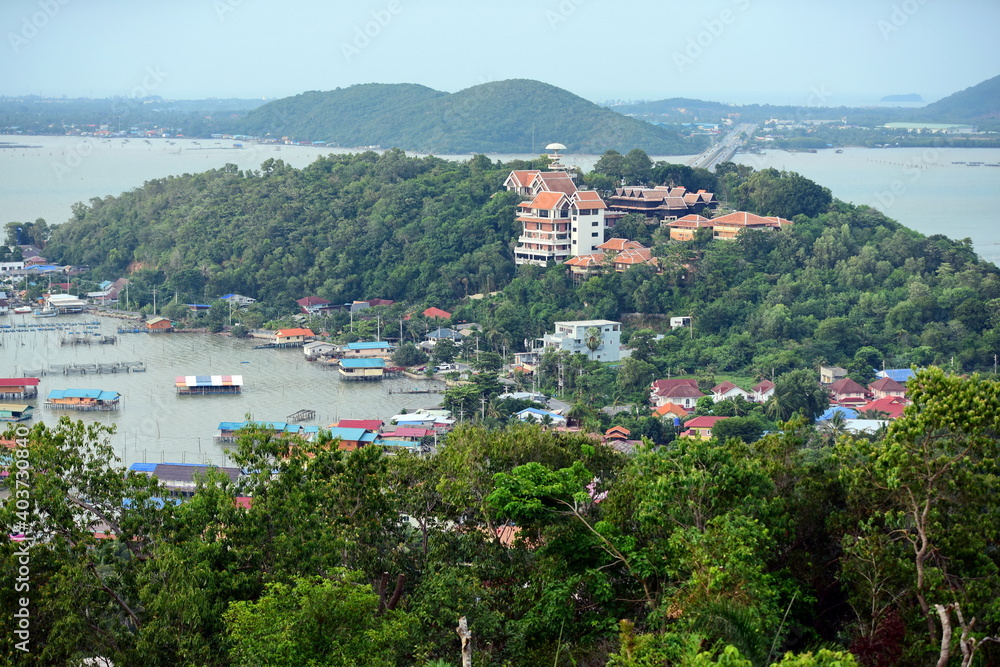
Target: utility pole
154, 301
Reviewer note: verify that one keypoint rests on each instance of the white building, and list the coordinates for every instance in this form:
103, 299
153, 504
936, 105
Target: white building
572, 336
7, 267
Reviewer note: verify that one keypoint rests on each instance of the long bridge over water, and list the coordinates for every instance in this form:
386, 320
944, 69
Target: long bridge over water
723, 150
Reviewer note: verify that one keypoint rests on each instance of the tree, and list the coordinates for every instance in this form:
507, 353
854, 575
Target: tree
444, 351
593, 340
408, 355
747, 429
925, 494
333, 621
799, 391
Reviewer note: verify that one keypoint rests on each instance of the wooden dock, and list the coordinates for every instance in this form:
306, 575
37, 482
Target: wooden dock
301, 416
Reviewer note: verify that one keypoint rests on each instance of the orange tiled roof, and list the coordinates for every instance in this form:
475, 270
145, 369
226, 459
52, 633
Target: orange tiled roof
620, 244
288, 333
547, 200
585, 260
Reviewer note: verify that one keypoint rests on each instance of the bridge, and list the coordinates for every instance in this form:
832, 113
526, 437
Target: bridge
723, 150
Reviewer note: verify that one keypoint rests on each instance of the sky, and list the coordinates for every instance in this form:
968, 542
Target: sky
826, 53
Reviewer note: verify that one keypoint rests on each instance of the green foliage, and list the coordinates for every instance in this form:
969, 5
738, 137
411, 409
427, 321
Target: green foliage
408, 355
332, 621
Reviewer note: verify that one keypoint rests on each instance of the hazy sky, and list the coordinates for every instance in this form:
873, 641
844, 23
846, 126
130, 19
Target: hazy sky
781, 51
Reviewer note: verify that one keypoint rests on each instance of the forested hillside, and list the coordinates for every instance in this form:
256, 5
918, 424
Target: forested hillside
432, 231
514, 116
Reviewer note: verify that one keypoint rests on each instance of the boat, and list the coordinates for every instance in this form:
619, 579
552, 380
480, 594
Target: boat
22, 310
48, 311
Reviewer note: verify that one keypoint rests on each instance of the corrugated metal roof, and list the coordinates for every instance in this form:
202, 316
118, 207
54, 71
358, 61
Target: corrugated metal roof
83, 393
374, 345
18, 382
351, 434
362, 363
209, 380
143, 467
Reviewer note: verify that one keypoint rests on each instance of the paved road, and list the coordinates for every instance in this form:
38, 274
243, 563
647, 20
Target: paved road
723, 149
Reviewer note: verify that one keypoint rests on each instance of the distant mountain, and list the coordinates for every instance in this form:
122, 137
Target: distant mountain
911, 97
978, 103
513, 116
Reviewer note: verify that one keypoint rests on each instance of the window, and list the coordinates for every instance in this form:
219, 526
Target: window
593, 224
594, 234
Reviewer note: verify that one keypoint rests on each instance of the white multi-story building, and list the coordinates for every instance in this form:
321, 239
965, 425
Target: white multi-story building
572, 336
558, 225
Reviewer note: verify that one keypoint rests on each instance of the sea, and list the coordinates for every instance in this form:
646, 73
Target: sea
156, 425
934, 191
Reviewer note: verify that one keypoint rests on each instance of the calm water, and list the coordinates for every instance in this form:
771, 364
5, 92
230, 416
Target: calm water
155, 424
922, 188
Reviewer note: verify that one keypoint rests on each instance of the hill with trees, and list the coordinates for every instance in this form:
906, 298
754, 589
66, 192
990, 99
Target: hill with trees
513, 116
976, 104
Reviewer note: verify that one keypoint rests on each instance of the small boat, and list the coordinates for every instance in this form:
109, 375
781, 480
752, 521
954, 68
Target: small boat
22, 310
46, 312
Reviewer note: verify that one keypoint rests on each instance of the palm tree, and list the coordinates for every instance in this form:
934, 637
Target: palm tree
593, 340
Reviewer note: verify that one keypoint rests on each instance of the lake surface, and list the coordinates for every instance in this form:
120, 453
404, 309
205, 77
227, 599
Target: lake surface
155, 424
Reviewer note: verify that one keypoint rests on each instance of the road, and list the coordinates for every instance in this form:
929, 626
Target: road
724, 149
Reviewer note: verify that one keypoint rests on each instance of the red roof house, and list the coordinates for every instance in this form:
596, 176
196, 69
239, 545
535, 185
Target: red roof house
886, 387
846, 391
701, 427
724, 390
367, 424
891, 405
682, 392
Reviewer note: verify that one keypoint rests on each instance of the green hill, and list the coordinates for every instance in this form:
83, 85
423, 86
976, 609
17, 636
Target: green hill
514, 116
977, 103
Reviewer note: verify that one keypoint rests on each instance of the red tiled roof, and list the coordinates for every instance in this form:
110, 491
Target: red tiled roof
312, 301
288, 333
703, 422
764, 386
555, 181
682, 391
886, 384
745, 219
723, 387
846, 386
891, 405
585, 260
660, 386
523, 178
437, 312
670, 408
620, 244
547, 200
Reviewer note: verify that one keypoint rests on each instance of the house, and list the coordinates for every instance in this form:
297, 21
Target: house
65, 303
520, 181
374, 425
444, 332
617, 437
670, 411
181, 479
886, 387
409, 433
729, 226
900, 375
367, 350
830, 374
846, 391
208, 384
848, 413
311, 305
726, 390
239, 300
680, 322
864, 426
352, 438
318, 349
701, 427
18, 388
15, 412
573, 335
159, 325
892, 406
662, 202
684, 228
292, 337
433, 313
683, 392
762, 391
362, 369
83, 399
537, 415
618, 254
228, 430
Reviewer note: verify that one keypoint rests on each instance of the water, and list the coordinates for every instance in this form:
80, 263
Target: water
921, 188
154, 424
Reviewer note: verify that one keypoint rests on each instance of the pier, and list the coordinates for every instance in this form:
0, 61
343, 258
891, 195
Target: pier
300, 416
83, 369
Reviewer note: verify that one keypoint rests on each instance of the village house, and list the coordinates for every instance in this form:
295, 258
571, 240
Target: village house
847, 392
181, 479
539, 416
726, 390
670, 411
701, 427
83, 399
900, 375
684, 228
374, 425
312, 305
572, 337
830, 374
362, 369
18, 388
618, 254
763, 391
15, 412
884, 387
729, 226
892, 406
292, 337
372, 349
681, 392
318, 350
351, 439
159, 325
239, 300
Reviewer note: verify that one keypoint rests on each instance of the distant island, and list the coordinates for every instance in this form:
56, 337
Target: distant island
910, 97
